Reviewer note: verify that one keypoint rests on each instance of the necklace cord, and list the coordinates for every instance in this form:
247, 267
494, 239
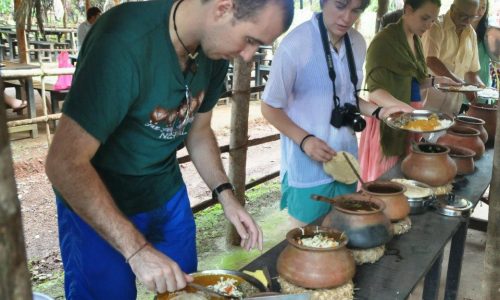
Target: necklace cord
191, 55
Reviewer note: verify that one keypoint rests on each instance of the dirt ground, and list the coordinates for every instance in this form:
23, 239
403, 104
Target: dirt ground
37, 198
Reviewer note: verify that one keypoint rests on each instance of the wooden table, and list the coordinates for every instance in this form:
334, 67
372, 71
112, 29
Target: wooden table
419, 252
27, 86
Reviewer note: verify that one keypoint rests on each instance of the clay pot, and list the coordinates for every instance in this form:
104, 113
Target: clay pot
365, 228
488, 113
316, 268
429, 163
464, 159
392, 193
465, 137
475, 123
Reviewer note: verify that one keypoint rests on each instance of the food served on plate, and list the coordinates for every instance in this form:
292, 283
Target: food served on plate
318, 241
458, 88
228, 282
227, 286
338, 167
419, 121
427, 123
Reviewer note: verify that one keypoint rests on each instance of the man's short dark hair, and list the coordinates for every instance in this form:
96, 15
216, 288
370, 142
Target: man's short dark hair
248, 9
92, 12
416, 4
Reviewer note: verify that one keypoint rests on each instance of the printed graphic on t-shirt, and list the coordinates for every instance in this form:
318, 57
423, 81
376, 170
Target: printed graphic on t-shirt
171, 123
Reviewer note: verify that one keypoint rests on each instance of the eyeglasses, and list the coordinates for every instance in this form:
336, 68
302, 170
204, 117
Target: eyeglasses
463, 17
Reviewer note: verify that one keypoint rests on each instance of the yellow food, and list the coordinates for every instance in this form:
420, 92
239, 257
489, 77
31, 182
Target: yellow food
429, 124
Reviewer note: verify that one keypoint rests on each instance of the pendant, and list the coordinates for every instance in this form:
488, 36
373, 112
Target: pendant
193, 56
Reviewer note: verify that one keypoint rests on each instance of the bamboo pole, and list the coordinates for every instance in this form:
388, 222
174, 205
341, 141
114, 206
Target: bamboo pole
239, 136
491, 281
14, 275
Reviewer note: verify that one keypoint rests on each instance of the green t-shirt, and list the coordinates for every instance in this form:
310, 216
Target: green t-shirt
129, 92
484, 61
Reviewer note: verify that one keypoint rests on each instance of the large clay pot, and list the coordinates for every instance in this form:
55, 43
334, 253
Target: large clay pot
365, 228
463, 158
392, 193
465, 137
429, 163
316, 268
488, 113
475, 123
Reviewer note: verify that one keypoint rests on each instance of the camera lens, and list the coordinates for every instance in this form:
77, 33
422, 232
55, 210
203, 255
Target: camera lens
358, 123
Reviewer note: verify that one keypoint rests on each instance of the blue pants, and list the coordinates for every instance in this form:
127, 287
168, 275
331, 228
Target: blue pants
95, 270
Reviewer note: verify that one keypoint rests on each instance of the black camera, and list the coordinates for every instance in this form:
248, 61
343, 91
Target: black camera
347, 115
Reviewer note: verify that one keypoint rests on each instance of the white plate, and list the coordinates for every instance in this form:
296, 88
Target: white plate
458, 89
399, 119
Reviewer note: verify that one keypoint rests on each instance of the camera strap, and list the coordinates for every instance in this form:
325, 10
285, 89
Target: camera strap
329, 61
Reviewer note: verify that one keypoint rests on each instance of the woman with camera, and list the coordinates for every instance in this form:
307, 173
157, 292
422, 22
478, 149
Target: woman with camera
396, 79
311, 98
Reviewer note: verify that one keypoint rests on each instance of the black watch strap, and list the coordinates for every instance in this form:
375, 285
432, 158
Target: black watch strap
220, 188
376, 112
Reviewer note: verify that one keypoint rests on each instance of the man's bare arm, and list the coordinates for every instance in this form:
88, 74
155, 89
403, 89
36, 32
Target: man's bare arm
439, 69
72, 174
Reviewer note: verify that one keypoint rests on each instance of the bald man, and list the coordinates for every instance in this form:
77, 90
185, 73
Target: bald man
450, 48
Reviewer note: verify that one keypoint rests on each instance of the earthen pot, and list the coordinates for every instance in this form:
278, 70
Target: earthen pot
488, 113
463, 158
429, 163
316, 268
475, 123
392, 193
465, 137
366, 228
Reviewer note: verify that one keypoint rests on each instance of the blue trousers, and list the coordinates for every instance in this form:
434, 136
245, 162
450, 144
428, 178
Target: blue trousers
95, 270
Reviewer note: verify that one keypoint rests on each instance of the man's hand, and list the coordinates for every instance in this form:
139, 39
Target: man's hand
317, 149
250, 233
157, 271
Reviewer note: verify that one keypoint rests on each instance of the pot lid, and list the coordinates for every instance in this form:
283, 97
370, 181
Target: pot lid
451, 206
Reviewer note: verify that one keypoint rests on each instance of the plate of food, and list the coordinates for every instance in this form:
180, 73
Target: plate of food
234, 284
419, 121
458, 88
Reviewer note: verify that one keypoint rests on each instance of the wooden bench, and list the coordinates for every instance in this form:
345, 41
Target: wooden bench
55, 95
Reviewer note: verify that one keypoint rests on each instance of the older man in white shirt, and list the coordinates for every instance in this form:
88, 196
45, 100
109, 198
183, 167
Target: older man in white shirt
450, 47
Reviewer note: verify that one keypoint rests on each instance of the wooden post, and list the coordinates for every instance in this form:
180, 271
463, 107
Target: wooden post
239, 136
491, 281
383, 5
14, 275
21, 35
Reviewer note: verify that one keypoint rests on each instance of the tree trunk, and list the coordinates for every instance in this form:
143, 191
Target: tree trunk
491, 282
14, 275
383, 5
239, 136
87, 6
21, 36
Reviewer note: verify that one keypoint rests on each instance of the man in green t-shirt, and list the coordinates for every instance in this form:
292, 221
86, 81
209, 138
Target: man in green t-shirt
148, 76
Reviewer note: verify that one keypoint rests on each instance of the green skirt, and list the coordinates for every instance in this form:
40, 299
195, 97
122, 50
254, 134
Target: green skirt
302, 207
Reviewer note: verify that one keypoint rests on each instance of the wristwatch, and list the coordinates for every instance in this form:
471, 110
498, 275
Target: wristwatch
220, 188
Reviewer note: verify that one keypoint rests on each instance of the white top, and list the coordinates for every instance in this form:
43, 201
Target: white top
299, 84
83, 29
